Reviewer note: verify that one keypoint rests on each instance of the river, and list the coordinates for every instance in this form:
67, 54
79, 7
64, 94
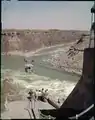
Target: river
59, 84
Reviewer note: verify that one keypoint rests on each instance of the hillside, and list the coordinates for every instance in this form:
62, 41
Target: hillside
30, 40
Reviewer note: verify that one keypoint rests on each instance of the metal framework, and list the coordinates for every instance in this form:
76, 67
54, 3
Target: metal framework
92, 24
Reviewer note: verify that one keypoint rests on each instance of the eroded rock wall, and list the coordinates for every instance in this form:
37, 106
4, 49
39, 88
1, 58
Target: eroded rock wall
29, 40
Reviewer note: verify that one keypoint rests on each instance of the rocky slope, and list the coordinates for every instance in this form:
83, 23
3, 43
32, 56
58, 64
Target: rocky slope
29, 40
70, 57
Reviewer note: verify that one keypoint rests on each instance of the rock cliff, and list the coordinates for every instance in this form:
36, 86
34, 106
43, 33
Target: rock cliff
30, 40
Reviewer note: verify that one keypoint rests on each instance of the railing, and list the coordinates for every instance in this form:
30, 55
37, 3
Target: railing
82, 113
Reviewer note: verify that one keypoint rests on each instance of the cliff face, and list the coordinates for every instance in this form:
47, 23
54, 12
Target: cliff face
29, 40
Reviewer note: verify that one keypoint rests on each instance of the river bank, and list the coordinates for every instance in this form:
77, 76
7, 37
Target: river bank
31, 53
58, 58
